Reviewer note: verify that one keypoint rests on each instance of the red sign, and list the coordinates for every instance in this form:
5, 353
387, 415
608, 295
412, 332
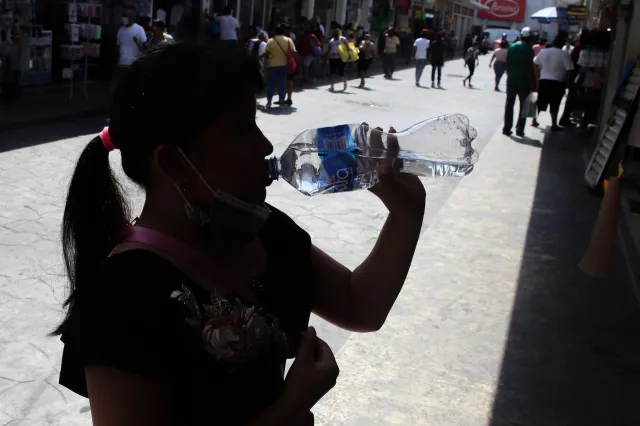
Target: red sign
503, 10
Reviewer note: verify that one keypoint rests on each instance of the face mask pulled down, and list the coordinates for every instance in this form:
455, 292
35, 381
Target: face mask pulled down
227, 220
124, 20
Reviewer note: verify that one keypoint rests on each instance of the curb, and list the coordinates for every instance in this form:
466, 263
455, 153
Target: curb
62, 116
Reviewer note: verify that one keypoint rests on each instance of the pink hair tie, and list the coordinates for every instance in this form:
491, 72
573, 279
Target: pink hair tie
106, 140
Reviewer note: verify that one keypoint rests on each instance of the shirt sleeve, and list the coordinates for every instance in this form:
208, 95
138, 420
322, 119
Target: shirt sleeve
129, 320
142, 34
568, 62
538, 58
581, 58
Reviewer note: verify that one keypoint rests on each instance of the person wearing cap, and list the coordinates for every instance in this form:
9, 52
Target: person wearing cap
521, 80
420, 47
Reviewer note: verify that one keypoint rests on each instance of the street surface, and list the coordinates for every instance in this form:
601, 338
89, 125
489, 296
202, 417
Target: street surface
438, 359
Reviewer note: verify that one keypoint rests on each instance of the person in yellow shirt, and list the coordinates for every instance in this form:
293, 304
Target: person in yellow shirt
277, 51
391, 43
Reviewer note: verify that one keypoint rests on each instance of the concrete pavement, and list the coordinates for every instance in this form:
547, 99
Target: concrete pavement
491, 328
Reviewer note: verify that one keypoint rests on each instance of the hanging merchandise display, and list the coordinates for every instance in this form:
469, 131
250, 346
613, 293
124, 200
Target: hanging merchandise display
25, 47
83, 34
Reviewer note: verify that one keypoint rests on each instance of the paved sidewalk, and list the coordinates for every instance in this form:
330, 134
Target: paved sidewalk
496, 325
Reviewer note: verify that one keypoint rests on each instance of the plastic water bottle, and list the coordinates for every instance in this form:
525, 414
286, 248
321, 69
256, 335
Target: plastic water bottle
347, 157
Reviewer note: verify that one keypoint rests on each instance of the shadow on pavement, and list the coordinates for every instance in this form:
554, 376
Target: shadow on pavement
572, 355
50, 132
527, 141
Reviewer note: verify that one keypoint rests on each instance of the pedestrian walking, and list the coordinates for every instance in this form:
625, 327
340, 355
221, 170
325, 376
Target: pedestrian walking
420, 47
291, 75
391, 44
499, 62
277, 59
575, 86
336, 65
437, 54
191, 311
309, 49
594, 62
521, 80
130, 39
554, 68
229, 27
367, 53
471, 60
539, 46
257, 49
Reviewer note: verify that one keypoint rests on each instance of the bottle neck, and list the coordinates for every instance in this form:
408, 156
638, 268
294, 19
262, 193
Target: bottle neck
273, 168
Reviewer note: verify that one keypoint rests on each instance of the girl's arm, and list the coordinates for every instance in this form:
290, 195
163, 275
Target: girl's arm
360, 300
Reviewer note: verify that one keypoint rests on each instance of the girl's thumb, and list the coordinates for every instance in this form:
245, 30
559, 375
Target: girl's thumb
307, 343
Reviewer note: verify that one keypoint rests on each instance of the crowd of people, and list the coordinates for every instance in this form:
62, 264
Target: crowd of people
552, 70
304, 50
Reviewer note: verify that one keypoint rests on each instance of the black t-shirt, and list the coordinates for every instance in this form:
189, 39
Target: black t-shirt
224, 358
437, 49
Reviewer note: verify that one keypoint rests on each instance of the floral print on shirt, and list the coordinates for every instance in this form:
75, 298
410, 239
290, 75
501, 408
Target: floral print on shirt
232, 331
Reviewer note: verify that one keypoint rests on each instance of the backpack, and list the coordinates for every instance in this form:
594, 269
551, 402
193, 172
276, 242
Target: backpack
255, 49
469, 55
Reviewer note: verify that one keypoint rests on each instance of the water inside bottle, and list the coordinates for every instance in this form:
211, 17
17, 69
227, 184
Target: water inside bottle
346, 158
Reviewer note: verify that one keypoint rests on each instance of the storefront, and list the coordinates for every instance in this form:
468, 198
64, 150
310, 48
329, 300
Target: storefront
462, 22
25, 46
502, 13
45, 41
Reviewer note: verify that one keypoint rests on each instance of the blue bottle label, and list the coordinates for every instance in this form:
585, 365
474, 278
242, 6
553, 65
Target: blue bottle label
336, 138
339, 161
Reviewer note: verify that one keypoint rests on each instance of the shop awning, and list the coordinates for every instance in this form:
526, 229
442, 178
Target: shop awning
475, 4
550, 14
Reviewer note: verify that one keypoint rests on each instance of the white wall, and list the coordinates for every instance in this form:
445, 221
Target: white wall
532, 7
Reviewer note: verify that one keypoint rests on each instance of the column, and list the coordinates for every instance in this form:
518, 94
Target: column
340, 11
365, 14
308, 6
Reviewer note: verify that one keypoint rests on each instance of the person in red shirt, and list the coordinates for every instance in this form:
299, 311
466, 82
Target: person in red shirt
307, 48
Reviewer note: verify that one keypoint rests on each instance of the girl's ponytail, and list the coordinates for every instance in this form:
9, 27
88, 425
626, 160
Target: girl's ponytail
94, 215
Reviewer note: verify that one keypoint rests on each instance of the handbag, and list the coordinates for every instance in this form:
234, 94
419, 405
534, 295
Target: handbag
292, 65
529, 109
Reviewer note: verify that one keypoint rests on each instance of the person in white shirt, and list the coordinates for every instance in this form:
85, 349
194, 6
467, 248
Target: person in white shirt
420, 47
553, 71
229, 26
130, 40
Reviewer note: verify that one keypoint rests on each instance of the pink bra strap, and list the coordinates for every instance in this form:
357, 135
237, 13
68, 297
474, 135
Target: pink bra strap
162, 241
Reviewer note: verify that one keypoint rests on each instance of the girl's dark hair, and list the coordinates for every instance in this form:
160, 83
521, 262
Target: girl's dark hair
193, 78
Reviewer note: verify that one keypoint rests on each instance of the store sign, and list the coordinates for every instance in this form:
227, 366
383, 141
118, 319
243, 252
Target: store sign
503, 10
576, 13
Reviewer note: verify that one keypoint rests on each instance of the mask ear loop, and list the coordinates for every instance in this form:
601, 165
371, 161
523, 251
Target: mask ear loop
259, 210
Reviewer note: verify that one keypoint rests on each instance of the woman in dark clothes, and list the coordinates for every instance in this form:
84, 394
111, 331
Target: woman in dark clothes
187, 315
